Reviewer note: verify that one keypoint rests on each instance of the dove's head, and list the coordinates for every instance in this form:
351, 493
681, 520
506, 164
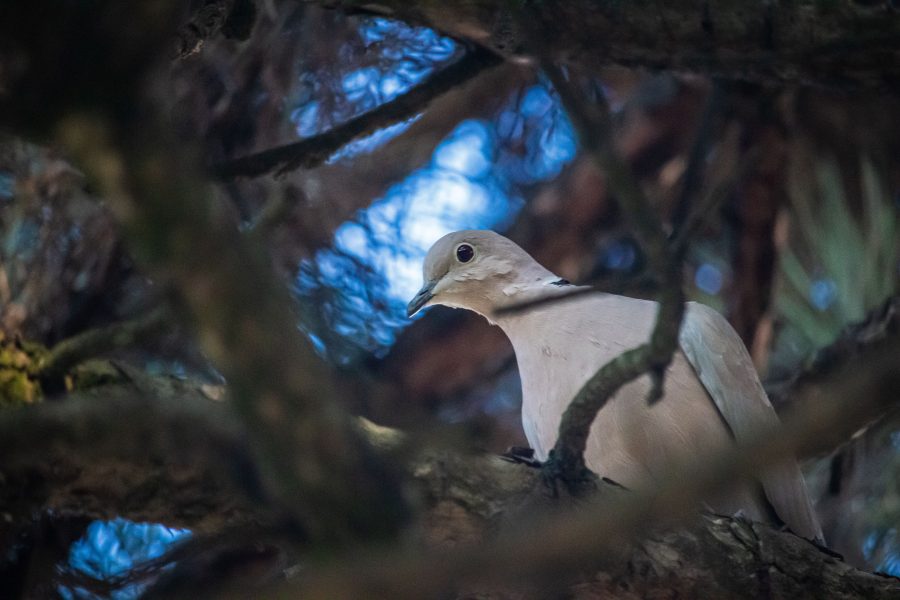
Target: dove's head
474, 269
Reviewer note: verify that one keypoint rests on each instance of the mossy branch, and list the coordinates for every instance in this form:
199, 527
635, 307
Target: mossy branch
96, 342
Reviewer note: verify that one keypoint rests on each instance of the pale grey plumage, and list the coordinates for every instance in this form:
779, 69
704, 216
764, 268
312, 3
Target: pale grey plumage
712, 392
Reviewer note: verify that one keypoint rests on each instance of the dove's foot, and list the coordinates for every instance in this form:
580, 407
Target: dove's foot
574, 475
522, 455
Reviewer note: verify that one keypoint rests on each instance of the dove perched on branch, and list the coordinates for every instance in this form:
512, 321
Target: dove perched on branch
712, 395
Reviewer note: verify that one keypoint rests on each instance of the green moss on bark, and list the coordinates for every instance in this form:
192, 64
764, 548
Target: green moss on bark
19, 364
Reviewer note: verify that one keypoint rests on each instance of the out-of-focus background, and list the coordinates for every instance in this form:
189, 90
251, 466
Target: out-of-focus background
801, 242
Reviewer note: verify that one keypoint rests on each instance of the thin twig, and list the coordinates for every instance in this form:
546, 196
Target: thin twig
593, 124
693, 174
710, 202
275, 212
315, 150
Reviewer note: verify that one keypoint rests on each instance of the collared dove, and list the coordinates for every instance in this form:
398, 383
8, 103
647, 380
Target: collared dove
712, 392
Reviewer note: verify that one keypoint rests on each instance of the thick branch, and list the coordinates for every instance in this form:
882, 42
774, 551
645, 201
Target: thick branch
174, 456
156, 451
205, 23
830, 44
599, 535
98, 431
277, 384
313, 462
71, 453
313, 151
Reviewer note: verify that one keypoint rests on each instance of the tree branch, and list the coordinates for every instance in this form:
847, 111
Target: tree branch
839, 45
93, 343
879, 330
313, 462
679, 240
593, 124
156, 450
234, 18
99, 430
693, 174
174, 456
315, 150
174, 450
601, 535
706, 206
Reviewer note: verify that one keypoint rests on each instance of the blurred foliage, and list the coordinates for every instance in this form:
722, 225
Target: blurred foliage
842, 259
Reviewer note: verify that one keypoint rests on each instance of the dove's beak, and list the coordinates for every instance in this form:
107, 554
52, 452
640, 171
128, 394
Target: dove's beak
421, 299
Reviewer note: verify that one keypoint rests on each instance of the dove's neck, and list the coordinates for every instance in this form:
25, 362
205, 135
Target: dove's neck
501, 282
534, 284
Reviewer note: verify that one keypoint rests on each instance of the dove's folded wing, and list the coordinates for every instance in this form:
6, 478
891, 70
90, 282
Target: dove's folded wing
726, 370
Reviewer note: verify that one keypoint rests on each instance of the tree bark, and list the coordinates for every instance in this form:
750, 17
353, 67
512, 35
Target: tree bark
153, 449
829, 44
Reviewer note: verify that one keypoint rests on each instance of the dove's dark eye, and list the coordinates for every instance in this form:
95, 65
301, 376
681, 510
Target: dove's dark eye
464, 253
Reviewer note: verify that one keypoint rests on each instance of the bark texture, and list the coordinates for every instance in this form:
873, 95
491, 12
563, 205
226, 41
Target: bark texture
178, 457
830, 44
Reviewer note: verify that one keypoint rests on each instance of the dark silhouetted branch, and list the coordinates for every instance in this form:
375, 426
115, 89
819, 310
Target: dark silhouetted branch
175, 424
839, 45
705, 207
313, 151
170, 455
174, 450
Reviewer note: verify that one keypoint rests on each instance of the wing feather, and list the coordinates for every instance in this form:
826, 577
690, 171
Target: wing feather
706, 338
